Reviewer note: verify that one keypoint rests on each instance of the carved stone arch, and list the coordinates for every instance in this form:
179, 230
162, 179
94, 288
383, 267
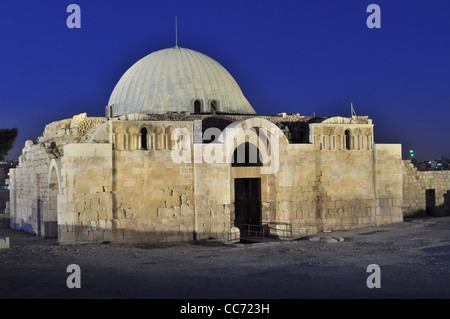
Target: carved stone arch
143, 138
157, 129
119, 128
357, 139
50, 218
120, 136
327, 130
144, 134
260, 129
54, 168
158, 137
133, 136
168, 136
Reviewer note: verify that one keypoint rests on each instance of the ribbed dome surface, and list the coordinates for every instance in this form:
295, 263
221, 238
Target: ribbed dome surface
178, 80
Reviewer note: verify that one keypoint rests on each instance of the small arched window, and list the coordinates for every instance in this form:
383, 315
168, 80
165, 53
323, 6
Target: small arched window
213, 107
347, 139
197, 107
143, 138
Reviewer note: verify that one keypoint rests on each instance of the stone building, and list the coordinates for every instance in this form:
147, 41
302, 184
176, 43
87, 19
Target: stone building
182, 155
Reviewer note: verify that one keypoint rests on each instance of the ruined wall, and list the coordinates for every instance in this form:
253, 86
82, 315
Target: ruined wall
29, 190
415, 185
35, 183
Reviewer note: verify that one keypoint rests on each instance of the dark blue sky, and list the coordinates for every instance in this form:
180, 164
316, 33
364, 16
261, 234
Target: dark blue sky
297, 56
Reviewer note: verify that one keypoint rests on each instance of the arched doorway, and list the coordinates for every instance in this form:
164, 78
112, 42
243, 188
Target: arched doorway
247, 192
50, 220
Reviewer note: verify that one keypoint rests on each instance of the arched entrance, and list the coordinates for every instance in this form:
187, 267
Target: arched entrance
253, 178
50, 222
247, 192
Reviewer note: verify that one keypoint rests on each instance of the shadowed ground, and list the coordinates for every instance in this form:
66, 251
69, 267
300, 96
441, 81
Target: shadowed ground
414, 257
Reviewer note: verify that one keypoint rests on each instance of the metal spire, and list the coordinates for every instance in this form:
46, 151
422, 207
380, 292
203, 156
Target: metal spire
176, 33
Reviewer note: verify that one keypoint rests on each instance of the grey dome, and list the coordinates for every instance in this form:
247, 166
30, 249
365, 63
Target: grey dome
177, 80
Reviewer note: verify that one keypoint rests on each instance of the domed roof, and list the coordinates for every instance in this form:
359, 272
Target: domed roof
177, 80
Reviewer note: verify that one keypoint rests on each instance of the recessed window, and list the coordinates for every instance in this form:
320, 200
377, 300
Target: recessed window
347, 139
197, 106
143, 138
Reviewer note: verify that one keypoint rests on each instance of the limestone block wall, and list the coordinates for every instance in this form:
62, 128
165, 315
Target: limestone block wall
388, 183
415, 185
345, 189
213, 205
153, 197
332, 136
296, 190
85, 206
356, 188
29, 191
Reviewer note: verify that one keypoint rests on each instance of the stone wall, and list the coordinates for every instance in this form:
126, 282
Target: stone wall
85, 211
126, 187
388, 183
35, 183
153, 197
415, 186
29, 191
295, 191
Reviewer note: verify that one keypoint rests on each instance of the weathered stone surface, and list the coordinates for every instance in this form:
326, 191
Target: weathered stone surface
118, 191
415, 185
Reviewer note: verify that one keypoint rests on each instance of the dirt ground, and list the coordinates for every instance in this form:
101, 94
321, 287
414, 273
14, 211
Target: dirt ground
413, 256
